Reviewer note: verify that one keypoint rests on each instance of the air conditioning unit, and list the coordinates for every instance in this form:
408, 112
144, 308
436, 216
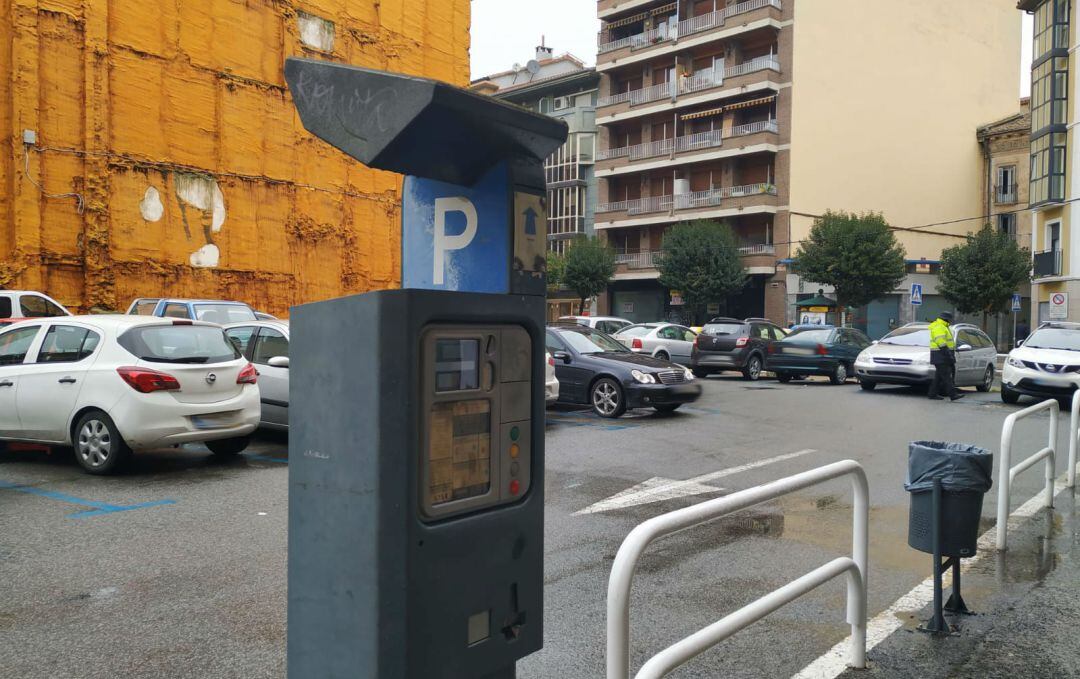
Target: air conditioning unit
561, 103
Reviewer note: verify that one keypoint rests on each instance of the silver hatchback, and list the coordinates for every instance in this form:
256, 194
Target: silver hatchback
903, 357
266, 345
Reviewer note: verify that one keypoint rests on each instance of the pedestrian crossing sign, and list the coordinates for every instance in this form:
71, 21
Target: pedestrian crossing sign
916, 294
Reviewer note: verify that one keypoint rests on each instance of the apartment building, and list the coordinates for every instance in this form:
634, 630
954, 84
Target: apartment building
564, 88
1054, 163
765, 113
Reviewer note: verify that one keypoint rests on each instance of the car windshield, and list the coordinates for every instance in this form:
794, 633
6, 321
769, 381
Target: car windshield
223, 313
634, 331
585, 342
908, 337
1066, 339
723, 328
179, 344
808, 337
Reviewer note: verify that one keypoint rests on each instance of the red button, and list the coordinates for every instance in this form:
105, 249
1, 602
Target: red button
515, 487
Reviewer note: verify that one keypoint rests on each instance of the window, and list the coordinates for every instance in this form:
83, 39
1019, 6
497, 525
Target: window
5, 307
35, 306
15, 344
761, 331
610, 327
1006, 223
223, 313
176, 311
269, 344
1006, 184
967, 337
689, 335
1049, 94
553, 343
144, 307
195, 344
1048, 169
671, 332
67, 344
777, 333
241, 337
1053, 236
1051, 28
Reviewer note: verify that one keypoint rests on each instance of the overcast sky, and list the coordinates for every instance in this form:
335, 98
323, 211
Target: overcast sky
505, 32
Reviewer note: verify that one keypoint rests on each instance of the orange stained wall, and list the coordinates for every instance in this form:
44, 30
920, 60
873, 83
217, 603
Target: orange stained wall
172, 123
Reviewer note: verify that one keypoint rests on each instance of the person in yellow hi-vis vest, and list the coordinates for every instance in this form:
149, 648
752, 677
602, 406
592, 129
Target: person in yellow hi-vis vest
943, 358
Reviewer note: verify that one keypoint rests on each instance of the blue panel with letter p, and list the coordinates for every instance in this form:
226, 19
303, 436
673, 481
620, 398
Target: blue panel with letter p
457, 237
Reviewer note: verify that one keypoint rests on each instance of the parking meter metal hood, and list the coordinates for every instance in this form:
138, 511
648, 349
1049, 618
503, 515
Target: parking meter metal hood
415, 126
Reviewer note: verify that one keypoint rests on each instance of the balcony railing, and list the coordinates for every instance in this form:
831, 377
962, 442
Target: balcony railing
649, 259
760, 249
701, 80
686, 27
687, 201
1047, 263
1004, 195
754, 128
692, 142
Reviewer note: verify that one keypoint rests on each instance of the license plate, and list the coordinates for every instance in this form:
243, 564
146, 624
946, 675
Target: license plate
211, 421
799, 351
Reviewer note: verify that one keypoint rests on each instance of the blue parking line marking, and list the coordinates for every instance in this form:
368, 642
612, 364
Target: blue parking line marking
267, 458
98, 508
586, 423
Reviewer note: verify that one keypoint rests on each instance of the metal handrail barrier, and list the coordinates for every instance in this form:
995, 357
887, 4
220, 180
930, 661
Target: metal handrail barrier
622, 573
1007, 473
1074, 434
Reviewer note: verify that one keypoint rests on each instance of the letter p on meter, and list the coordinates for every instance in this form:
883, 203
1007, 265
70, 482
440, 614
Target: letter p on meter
445, 242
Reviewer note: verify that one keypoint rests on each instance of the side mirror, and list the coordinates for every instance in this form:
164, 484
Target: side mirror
278, 362
1019, 342
561, 356
964, 347
874, 342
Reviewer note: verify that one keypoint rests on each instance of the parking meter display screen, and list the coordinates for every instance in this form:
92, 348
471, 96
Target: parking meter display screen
457, 364
459, 452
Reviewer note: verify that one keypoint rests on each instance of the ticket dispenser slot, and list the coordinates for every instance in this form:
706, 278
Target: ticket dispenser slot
477, 403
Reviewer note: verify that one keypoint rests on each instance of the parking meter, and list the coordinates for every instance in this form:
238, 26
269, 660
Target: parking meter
417, 415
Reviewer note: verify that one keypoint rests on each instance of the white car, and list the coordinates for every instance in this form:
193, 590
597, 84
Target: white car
903, 357
605, 324
666, 341
551, 383
1046, 365
110, 385
266, 345
19, 304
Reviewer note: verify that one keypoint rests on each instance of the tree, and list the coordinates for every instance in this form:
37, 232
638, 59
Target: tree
587, 268
700, 259
857, 254
556, 270
982, 274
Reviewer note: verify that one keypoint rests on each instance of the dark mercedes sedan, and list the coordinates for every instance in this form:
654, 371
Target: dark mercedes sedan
597, 370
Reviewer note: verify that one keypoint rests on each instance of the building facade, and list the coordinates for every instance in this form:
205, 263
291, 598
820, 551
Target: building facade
152, 148
736, 112
561, 87
1054, 162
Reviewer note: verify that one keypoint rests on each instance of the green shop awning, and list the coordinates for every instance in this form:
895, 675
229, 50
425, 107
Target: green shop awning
817, 301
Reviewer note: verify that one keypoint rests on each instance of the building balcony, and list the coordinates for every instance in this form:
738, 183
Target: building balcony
703, 80
683, 205
638, 262
607, 7
658, 40
749, 134
1046, 263
1006, 195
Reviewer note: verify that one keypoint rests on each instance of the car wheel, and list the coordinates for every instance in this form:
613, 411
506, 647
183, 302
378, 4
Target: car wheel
228, 447
99, 448
839, 373
752, 371
867, 385
988, 379
667, 408
783, 378
607, 398
663, 356
1008, 395
700, 373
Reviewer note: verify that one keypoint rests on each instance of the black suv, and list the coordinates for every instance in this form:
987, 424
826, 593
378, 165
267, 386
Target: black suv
728, 344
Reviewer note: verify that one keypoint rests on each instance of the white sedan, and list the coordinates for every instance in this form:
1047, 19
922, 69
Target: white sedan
110, 385
266, 344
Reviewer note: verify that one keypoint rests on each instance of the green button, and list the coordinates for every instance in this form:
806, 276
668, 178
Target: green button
514, 433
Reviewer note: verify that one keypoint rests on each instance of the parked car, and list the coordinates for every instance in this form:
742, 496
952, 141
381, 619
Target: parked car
551, 382
16, 305
595, 369
728, 344
817, 351
1045, 365
903, 357
209, 310
110, 385
608, 324
266, 345
666, 341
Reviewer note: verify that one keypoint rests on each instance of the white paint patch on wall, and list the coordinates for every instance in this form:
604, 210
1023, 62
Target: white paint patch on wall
206, 257
151, 207
203, 193
315, 32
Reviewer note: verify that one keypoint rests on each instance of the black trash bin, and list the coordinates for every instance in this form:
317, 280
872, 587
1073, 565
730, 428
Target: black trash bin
965, 472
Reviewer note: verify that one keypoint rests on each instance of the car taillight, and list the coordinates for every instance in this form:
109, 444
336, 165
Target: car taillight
636, 343
248, 375
145, 381
551, 361
821, 350
772, 349
182, 323
741, 342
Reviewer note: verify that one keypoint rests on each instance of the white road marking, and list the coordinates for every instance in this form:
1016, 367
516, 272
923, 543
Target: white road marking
834, 662
658, 488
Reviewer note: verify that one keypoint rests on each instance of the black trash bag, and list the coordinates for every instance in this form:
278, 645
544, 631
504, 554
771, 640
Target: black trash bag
961, 466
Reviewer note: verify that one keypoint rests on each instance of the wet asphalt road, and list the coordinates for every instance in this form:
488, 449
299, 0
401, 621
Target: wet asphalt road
177, 569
